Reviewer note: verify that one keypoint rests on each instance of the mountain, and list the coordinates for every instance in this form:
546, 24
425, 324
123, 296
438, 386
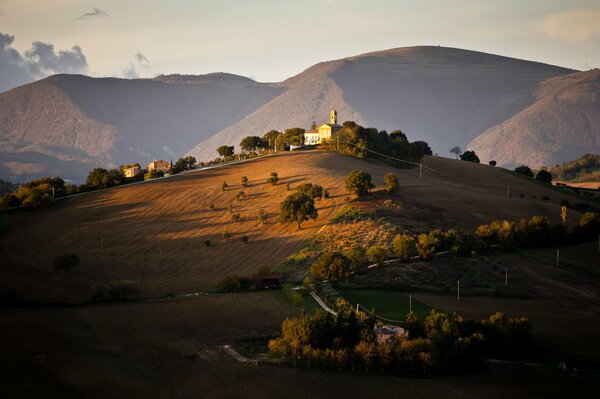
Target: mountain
66, 125
445, 96
561, 124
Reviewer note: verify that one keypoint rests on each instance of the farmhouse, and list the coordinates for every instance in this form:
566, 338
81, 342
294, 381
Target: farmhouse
160, 166
384, 333
131, 171
323, 132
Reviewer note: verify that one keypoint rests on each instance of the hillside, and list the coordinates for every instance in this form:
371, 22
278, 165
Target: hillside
66, 125
561, 124
153, 233
444, 96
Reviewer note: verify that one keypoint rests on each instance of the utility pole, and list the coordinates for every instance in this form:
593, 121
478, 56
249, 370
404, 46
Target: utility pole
338, 144
506, 277
420, 172
357, 308
557, 256
458, 292
508, 191
410, 303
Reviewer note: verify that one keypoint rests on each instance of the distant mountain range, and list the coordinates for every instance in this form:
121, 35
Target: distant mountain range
506, 109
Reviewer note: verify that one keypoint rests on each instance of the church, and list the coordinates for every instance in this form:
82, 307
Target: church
323, 132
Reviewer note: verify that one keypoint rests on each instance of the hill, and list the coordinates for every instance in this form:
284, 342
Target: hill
561, 124
66, 125
154, 233
445, 96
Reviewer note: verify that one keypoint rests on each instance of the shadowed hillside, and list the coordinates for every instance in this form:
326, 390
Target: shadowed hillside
444, 96
562, 124
154, 233
67, 124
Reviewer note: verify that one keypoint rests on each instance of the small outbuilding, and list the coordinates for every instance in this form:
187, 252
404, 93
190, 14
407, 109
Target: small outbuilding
385, 333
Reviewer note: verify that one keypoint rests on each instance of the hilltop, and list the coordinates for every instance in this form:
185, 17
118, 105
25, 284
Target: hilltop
154, 233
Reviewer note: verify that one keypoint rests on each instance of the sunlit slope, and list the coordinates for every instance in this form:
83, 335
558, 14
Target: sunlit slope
154, 233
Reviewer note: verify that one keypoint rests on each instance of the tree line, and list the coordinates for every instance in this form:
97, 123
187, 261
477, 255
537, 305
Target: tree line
442, 343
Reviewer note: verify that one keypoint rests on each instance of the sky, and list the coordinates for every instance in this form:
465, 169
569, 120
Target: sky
272, 40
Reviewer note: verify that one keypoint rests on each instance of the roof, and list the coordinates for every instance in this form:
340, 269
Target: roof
388, 330
312, 131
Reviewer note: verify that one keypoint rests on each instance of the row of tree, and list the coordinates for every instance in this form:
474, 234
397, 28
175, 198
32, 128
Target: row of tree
441, 344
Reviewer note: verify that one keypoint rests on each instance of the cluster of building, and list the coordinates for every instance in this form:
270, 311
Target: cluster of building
326, 131
159, 166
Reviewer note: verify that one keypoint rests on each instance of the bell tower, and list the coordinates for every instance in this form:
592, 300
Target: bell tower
333, 117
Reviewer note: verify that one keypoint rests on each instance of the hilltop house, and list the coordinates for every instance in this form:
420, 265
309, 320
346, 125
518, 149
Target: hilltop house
384, 333
132, 171
323, 132
160, 166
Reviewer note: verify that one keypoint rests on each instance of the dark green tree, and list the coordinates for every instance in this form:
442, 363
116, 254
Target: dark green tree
456, 151
225, 151
297, 208
544, 175
469, 156
524, 170
65, 262
359, 183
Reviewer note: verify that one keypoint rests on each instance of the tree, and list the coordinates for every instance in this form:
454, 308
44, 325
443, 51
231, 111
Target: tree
456, 150
524, 170
312, 190
366, 352
391, 182
252, 143
404, 246
331, 266
359, 183
420, 148
223, 185
225, 151
297, 208
426, 245
65, 262
273, 179
492, 163
102, 178
358, 257
185, 163
270, 138
294, 136
244, 181
469, 156
377, 254
544, 175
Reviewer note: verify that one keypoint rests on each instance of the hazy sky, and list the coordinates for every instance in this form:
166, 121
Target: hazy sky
271, 40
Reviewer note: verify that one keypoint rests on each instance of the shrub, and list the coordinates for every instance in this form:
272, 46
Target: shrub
493, 163
244, 181
223, 186
245, 239
241, 195
65, 262
230, 283
391, 182
207, 243
260, 215
235, 217
212, 207
426, 244
326, 194
226, 234
273, 179
544, 175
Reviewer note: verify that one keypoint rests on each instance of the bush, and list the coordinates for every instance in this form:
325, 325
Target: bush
245, 239
207, 243
230, 283
235, 217
391, 182
223, 186
273, 179
244, 181
493, 163
226, 234
65, 262
544, 175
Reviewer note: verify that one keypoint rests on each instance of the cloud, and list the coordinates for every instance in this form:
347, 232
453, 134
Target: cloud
573, 26
95, 13
38, 62
139, 64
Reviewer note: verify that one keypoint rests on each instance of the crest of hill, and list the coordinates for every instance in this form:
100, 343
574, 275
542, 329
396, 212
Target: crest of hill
66, 125
561, 124
445, 96
154, 233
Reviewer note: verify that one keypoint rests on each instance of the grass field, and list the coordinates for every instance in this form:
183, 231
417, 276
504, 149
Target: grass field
391, 305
